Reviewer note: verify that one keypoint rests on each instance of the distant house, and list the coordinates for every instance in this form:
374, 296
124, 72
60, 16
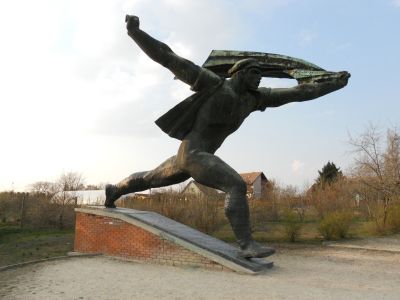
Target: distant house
198, 189
256, 184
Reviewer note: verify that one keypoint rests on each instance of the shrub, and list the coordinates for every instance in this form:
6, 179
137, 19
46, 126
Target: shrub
261, 212
202, 213
394, 218
335, 225
10, 208
291, 224
35, 211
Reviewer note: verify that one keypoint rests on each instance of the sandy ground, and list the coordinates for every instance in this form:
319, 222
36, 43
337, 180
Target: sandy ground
384, 243
300, 273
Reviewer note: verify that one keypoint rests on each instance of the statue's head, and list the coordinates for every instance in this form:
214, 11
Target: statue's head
248, 70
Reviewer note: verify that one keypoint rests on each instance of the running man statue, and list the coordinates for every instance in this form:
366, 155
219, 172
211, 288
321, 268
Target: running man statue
204, 120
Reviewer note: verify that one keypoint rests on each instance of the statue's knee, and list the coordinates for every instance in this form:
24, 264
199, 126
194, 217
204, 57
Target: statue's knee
239, 188
185, 155
183, 161
243, 187
188, 160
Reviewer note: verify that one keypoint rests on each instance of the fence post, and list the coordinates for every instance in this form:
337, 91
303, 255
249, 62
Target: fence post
21, 219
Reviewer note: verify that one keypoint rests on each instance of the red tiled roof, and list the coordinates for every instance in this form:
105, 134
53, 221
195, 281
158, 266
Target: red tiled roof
249, 178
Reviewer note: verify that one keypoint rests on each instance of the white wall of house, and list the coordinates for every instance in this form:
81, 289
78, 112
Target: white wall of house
192, 189
257, 188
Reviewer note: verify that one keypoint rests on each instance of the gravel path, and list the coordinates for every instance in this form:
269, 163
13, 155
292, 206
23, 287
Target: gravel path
385, 243
302, 273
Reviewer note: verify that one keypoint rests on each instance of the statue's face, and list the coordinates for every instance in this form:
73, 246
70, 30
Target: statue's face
252, 78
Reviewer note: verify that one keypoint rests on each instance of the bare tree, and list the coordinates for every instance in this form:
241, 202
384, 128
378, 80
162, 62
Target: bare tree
61, 195
71, 181
45, 188
68, 184
392, 161
377, 166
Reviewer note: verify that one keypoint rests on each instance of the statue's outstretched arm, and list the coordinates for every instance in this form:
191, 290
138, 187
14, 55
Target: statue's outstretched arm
305, 91
183, 69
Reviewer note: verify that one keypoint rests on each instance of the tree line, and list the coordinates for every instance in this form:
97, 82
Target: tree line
369, 192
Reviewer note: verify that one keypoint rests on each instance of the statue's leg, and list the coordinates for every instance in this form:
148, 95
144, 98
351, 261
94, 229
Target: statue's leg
167, 173
211, 171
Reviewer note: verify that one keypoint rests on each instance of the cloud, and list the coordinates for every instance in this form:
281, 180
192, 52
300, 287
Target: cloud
306, 37
139, 89
77, 82
396, 3
297, 165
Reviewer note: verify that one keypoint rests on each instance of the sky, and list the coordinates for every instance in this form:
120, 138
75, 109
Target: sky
77, 94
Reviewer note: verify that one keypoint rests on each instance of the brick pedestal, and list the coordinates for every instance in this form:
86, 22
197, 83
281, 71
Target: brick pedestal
110, 236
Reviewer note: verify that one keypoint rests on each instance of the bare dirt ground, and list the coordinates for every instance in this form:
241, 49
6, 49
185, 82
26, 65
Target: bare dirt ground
300, 272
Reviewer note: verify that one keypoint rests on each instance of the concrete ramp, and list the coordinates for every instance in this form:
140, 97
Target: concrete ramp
155, 238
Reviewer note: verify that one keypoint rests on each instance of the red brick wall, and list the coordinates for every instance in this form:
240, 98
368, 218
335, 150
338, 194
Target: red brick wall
114, 237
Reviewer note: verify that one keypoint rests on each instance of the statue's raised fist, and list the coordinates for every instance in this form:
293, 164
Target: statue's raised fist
132, 22
344, 77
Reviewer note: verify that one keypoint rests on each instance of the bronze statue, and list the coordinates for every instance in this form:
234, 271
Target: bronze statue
217, 108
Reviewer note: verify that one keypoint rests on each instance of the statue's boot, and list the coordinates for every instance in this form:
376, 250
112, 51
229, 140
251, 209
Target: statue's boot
111, 195
239, 218
253, 249
133, 183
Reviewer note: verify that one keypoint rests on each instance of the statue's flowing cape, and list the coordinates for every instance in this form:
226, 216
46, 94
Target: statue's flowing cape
179, 120
272, 65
